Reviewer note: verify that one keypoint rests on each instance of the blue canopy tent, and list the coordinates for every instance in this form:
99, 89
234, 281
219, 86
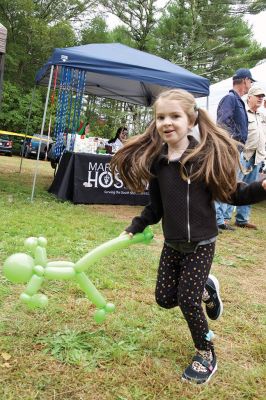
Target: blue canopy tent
120, 72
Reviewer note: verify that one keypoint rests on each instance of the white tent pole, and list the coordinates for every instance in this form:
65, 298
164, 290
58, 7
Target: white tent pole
42, 129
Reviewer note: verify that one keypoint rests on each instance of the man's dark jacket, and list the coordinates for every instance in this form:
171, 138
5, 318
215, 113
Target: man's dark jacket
232, 116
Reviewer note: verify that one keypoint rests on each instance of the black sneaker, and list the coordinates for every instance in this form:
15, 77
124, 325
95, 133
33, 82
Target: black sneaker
226, 227
214, 305
205, 372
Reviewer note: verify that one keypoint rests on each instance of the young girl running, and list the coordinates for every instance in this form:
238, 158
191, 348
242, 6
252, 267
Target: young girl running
185, 177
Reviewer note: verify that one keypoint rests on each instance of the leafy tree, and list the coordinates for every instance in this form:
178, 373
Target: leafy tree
15, 109
208, 37
138, 16
30, 40
257, 6
120, 34
247, 6
60, 35
53, 11
35, 28
106, 115
203, 37
97, 32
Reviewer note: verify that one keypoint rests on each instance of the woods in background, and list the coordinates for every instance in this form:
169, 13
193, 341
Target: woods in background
209, 38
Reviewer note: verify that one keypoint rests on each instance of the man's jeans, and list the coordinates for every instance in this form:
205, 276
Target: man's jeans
220, 212
224, 211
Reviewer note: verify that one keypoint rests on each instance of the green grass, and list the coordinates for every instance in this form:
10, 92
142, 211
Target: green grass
139, 352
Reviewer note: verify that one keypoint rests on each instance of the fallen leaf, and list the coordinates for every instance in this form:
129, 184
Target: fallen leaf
6, 356
6, 365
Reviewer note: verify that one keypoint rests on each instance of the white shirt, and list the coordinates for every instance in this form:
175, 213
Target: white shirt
117, 145
256, 140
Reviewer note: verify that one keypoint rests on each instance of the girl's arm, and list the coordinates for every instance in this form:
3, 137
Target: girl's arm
152, 213
249, 194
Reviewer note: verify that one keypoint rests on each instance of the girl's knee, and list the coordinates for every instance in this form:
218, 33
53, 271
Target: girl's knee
164, 302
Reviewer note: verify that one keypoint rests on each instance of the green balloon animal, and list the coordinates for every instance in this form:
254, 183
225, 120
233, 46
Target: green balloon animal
35, 268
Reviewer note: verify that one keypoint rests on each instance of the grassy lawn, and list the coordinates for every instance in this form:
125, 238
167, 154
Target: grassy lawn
139, 352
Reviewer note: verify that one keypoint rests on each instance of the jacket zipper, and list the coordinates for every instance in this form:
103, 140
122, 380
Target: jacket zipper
188, 201
188, 215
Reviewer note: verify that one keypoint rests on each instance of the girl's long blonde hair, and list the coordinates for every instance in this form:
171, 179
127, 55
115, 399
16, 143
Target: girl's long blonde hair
216, 156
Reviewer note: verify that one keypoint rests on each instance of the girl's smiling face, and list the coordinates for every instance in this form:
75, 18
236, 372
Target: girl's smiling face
172, 122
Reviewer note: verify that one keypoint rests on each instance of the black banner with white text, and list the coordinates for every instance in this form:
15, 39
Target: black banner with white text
87, 179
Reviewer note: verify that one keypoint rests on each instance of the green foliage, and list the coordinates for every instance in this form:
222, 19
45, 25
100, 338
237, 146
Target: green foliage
247, 6
138, 16
16, 107
71, 346
257, 6
33, 31
210, 38
97, 32
106, 115
203, 37
88, 349
120, 34
62, 35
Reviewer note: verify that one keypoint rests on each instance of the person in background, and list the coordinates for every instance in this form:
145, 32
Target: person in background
185, 177
254, 150
84, 129
263, 111
87, 130
232, 116
119, 140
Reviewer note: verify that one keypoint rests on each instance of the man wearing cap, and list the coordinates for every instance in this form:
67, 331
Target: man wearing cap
254, 151
231, 112
232, 116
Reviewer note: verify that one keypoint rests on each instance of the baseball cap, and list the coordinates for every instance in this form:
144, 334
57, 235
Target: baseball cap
256, 91
243, 73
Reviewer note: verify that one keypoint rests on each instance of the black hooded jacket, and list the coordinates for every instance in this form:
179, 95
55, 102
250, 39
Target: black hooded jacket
186, 207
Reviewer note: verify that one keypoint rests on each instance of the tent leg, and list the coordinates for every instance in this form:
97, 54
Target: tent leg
27, 127
42, 129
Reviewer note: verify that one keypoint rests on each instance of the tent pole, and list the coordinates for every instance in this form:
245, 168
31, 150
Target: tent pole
27, 128
42, 129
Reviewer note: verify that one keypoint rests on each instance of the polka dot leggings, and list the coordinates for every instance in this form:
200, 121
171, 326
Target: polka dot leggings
180, 282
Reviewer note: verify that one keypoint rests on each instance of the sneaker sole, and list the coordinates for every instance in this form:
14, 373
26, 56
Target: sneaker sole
191, 381
217, 287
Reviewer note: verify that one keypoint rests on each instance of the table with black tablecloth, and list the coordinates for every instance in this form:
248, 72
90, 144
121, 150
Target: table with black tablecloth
86, 179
